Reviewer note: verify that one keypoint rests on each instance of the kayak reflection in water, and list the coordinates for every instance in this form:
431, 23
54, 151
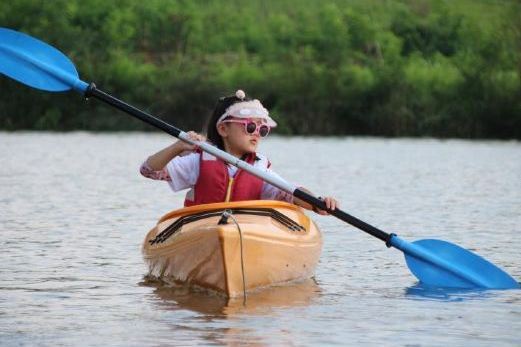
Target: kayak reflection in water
236, 126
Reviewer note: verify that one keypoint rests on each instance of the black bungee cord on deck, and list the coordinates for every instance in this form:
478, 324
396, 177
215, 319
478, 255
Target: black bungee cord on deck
224, 220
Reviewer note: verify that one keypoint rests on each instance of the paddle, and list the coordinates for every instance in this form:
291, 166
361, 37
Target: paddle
434, 262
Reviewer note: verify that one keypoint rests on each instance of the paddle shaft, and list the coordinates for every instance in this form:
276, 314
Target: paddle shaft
131, 110
346, 217
296, 192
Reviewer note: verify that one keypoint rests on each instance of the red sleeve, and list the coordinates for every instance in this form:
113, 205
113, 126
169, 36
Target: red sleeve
148, 172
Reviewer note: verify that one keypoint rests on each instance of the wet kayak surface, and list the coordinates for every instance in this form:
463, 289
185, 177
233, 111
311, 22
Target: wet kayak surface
74, 212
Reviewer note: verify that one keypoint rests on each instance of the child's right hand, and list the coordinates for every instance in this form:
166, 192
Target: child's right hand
182, 146
159, 160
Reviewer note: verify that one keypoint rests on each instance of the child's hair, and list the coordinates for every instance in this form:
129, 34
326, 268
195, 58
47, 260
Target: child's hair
222, 104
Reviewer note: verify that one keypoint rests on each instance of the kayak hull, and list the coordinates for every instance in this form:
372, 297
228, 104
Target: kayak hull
279, 244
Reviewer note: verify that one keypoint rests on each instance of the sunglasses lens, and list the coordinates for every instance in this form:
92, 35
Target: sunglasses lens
251, 127
264, 130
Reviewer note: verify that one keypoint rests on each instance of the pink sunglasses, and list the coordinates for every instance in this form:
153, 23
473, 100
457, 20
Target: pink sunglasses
251, 127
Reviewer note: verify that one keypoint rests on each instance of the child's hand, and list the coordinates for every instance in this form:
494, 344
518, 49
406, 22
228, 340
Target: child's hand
331, 204
182, 146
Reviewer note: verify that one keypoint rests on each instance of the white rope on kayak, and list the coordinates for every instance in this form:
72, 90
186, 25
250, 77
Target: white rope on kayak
226, 214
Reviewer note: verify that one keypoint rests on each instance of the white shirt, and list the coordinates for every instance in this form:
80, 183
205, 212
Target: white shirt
184, 172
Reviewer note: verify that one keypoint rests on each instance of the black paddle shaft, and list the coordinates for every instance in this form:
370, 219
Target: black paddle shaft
170, 129
382, 235
131, 110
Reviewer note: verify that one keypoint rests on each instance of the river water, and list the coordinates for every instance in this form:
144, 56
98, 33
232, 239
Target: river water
74, 211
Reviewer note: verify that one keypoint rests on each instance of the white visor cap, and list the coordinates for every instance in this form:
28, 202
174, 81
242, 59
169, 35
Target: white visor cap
248, 109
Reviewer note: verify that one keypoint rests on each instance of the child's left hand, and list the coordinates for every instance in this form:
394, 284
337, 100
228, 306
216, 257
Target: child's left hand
331, 204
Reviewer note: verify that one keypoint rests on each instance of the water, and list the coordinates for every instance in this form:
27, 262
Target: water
74, 211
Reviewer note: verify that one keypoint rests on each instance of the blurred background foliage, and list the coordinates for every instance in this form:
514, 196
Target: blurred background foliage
366, 67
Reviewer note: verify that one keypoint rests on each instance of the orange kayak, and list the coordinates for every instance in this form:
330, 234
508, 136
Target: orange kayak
200, 247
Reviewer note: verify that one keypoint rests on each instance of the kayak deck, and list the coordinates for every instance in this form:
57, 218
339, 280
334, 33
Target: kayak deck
279, 244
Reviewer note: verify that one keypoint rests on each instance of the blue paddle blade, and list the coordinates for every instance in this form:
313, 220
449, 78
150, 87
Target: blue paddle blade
36, 64
443, 264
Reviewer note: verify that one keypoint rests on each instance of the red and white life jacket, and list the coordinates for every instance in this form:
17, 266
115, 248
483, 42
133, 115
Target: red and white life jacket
214, 184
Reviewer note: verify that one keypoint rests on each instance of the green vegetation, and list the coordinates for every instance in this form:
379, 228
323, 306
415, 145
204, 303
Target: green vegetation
392, 68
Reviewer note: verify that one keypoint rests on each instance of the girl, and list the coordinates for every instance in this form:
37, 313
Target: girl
236, 126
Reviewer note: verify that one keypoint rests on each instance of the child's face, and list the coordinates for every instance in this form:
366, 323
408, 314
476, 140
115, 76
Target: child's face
237, 140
